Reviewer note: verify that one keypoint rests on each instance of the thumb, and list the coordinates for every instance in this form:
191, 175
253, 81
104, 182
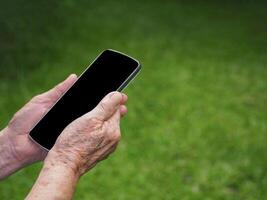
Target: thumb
107, 106
55, 93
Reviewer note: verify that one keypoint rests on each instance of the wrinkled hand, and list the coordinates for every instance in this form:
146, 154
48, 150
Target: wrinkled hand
24, 150
90, 138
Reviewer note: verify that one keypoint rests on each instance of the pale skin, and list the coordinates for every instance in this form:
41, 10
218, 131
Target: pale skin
86, 141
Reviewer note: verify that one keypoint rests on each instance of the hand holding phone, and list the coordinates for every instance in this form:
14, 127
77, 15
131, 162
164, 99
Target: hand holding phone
111, 71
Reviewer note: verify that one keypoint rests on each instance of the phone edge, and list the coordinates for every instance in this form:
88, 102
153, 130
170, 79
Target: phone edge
129, 79
123, 86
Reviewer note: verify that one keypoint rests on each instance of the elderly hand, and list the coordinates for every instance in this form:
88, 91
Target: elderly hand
82, 144
90, 138
19, 150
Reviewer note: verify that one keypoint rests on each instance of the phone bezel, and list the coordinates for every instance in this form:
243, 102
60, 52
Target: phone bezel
122, 86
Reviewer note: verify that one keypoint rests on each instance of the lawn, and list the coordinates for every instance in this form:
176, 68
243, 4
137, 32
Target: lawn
197, 121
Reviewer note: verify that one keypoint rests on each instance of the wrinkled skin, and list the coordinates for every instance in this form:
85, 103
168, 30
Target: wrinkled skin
82, 144
92, 137
23, 149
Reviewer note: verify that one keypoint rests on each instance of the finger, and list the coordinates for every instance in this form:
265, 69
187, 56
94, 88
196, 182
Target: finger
124, 98
123, 110
55, 93
107, 106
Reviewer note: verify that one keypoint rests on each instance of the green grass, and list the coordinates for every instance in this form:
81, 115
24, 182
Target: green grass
197, 121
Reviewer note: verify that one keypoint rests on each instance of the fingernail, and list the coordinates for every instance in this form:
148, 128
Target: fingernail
113, 93
124, 97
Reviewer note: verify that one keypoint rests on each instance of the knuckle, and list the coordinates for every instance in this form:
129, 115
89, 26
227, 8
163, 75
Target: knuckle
104, 108
40, 99
13, 120
100, 108
93, 121
88, 124
36, 98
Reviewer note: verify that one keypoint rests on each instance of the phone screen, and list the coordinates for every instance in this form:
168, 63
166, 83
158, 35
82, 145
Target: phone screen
111, 71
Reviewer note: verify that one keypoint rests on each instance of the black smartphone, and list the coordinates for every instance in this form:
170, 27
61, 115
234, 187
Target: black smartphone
110, 71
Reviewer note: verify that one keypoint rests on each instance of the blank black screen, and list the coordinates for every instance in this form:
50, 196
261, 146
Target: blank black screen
107, 73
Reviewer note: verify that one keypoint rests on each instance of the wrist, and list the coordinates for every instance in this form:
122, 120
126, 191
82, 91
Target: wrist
60, 171
56, 159
56, 180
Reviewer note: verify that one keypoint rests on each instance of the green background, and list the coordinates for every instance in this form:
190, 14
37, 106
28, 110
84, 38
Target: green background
197, 121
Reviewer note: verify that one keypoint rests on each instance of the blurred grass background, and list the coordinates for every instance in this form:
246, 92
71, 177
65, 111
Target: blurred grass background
196, 127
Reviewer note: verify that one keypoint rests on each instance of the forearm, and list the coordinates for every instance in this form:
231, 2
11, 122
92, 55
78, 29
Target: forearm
8, 161
56, 181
